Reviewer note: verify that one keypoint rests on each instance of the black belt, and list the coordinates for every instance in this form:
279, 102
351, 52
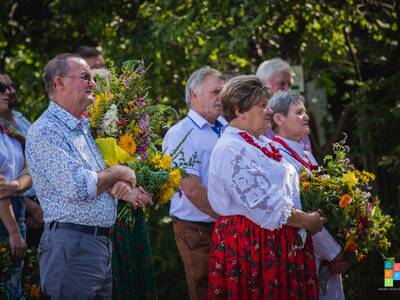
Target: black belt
211, 224
95, 230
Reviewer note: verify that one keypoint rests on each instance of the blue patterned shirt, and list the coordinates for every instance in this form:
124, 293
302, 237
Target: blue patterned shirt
63, 160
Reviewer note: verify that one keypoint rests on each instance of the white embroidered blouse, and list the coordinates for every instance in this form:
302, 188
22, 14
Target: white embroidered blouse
244, 181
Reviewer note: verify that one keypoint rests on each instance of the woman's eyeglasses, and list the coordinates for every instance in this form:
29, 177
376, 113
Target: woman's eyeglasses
4, 87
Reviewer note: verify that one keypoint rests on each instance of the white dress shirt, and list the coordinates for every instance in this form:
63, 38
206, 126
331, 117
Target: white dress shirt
244, 181
200, 141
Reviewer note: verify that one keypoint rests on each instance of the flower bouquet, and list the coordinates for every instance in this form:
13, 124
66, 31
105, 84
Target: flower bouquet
344, 194
124, 124
30, 275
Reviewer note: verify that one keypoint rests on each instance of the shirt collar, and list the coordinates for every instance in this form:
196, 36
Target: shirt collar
200, 121
298, 147
16, 114
66, 117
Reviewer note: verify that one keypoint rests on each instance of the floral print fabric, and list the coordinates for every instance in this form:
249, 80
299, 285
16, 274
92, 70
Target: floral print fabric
249, 262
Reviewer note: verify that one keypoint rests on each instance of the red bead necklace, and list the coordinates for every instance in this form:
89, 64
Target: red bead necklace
274, 153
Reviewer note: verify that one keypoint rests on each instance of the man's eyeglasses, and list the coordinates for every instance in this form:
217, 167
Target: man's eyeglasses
4, 87
84, 77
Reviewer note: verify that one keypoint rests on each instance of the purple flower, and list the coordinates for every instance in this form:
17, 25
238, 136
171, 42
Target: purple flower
141, 101
144, 122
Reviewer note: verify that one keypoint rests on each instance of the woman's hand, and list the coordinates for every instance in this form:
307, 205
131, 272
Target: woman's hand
17, 244
8, 187
314, 222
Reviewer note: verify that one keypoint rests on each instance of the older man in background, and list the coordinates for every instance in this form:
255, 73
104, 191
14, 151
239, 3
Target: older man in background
193, 217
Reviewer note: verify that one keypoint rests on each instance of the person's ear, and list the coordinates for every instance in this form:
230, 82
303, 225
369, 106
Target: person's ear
278, 119
58, 81
239, 114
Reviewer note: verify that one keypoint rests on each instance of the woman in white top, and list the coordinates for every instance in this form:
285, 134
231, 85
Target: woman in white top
13, 181
290, 122
254, 252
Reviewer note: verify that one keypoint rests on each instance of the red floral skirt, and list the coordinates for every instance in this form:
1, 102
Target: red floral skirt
249, 262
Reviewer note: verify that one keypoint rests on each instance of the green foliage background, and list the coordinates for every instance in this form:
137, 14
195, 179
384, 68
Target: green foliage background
351, 48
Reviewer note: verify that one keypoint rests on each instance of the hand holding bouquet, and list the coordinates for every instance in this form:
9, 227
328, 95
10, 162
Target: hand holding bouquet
344, 194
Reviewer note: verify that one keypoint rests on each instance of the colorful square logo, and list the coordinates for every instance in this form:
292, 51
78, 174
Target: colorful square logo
388, 273
396, 267
388, 265
396, 276
388, 282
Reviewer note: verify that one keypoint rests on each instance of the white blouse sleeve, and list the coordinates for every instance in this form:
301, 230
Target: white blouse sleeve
241, 184
325, 246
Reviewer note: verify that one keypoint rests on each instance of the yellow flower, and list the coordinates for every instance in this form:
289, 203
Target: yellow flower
166, 193
162, 162
2, 250
165, 162
349, 178
344, 200
306, 185
95, 110
127, 143
174, 178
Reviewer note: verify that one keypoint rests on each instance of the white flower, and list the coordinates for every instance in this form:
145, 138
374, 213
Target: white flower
109, 125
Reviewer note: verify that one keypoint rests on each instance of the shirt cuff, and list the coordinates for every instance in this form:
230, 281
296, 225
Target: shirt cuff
325, 246
192, 172
91, 178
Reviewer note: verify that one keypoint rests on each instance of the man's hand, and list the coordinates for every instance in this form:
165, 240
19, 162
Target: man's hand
8, 187
126, 174
120, 190
17, 244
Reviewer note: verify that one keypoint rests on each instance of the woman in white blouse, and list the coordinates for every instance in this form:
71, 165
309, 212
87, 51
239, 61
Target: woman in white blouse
13, 181
290, 122
256, 252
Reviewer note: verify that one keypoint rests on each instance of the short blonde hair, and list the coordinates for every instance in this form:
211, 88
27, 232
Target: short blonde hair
241, 93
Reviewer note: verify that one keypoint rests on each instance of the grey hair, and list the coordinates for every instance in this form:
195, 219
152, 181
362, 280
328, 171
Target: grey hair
58, 66
272, 66
197, 78
281, 101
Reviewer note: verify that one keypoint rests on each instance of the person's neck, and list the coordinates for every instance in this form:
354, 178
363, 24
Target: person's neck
76, 112
210, 120
289, 136
238, 124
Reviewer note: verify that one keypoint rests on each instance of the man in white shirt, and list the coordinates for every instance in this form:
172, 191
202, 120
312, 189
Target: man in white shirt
193, 217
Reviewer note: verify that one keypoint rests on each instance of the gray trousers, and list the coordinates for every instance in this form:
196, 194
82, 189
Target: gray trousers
75, 265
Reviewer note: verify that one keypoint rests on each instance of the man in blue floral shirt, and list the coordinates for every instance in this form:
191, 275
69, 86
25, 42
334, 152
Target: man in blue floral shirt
74, 188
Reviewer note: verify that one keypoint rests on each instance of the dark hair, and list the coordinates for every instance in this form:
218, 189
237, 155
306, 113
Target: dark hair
241, 93
88, 52
3, 87
56, 67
